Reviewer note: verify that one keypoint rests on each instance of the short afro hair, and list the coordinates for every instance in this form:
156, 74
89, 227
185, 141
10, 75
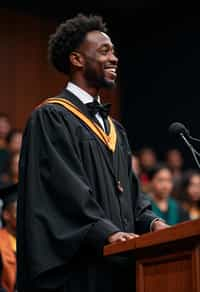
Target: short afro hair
69, 36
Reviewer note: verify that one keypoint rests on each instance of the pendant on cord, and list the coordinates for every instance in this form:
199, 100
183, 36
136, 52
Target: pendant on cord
119, 187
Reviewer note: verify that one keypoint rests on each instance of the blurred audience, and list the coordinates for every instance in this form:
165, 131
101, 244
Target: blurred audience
9, 168
190, 193
174, 160
11, 173
166, 207
136, 165
5, 127
147, 159
14, 141
8, 239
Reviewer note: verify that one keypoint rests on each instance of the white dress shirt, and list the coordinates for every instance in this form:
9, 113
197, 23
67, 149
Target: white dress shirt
84, 98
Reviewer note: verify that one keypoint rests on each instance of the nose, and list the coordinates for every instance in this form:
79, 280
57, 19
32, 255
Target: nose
113, 58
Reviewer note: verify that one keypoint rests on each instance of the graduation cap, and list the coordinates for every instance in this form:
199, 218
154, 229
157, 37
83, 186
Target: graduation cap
8, 194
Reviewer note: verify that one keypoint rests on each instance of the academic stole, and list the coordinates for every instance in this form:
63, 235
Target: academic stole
109, 140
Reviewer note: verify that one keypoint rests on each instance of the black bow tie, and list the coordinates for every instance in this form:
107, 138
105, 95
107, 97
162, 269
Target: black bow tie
95, 107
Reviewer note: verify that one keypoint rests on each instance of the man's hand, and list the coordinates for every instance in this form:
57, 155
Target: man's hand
159, 225
121, 237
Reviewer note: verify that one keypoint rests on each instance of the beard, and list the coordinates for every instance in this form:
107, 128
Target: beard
96, 79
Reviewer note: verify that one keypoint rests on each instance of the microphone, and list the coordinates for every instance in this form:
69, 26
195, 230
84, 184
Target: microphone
179, 129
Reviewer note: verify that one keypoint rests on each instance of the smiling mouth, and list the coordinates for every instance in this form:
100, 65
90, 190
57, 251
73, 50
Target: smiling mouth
111, 72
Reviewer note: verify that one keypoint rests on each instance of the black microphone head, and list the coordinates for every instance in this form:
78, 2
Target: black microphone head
178, 128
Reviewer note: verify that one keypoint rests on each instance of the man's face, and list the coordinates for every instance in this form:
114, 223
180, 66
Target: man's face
100, 62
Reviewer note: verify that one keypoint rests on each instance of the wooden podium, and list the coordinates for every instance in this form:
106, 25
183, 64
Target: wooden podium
166, 260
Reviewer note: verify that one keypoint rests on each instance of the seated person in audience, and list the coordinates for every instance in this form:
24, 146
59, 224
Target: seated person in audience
174, 160
8, 239
147, 160
10, 176
4, 130
14, 141
190, 193
163, 205
12, 171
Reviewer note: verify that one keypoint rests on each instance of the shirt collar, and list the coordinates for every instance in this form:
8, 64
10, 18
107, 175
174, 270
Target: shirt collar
80, 93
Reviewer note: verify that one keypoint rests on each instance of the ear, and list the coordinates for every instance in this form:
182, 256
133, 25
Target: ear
77, 60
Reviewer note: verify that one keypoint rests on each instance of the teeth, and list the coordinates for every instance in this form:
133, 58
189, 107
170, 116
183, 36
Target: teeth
112, 70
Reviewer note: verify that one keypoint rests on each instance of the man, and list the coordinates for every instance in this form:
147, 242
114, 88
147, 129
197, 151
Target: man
8, 195
77, 190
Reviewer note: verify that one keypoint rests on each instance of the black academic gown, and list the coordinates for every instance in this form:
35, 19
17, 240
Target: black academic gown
69, 204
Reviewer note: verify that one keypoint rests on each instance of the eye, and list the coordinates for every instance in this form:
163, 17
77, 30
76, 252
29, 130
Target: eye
104, 51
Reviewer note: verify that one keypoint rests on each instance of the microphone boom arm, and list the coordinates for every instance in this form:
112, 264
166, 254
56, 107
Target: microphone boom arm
194, 139
194, 152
